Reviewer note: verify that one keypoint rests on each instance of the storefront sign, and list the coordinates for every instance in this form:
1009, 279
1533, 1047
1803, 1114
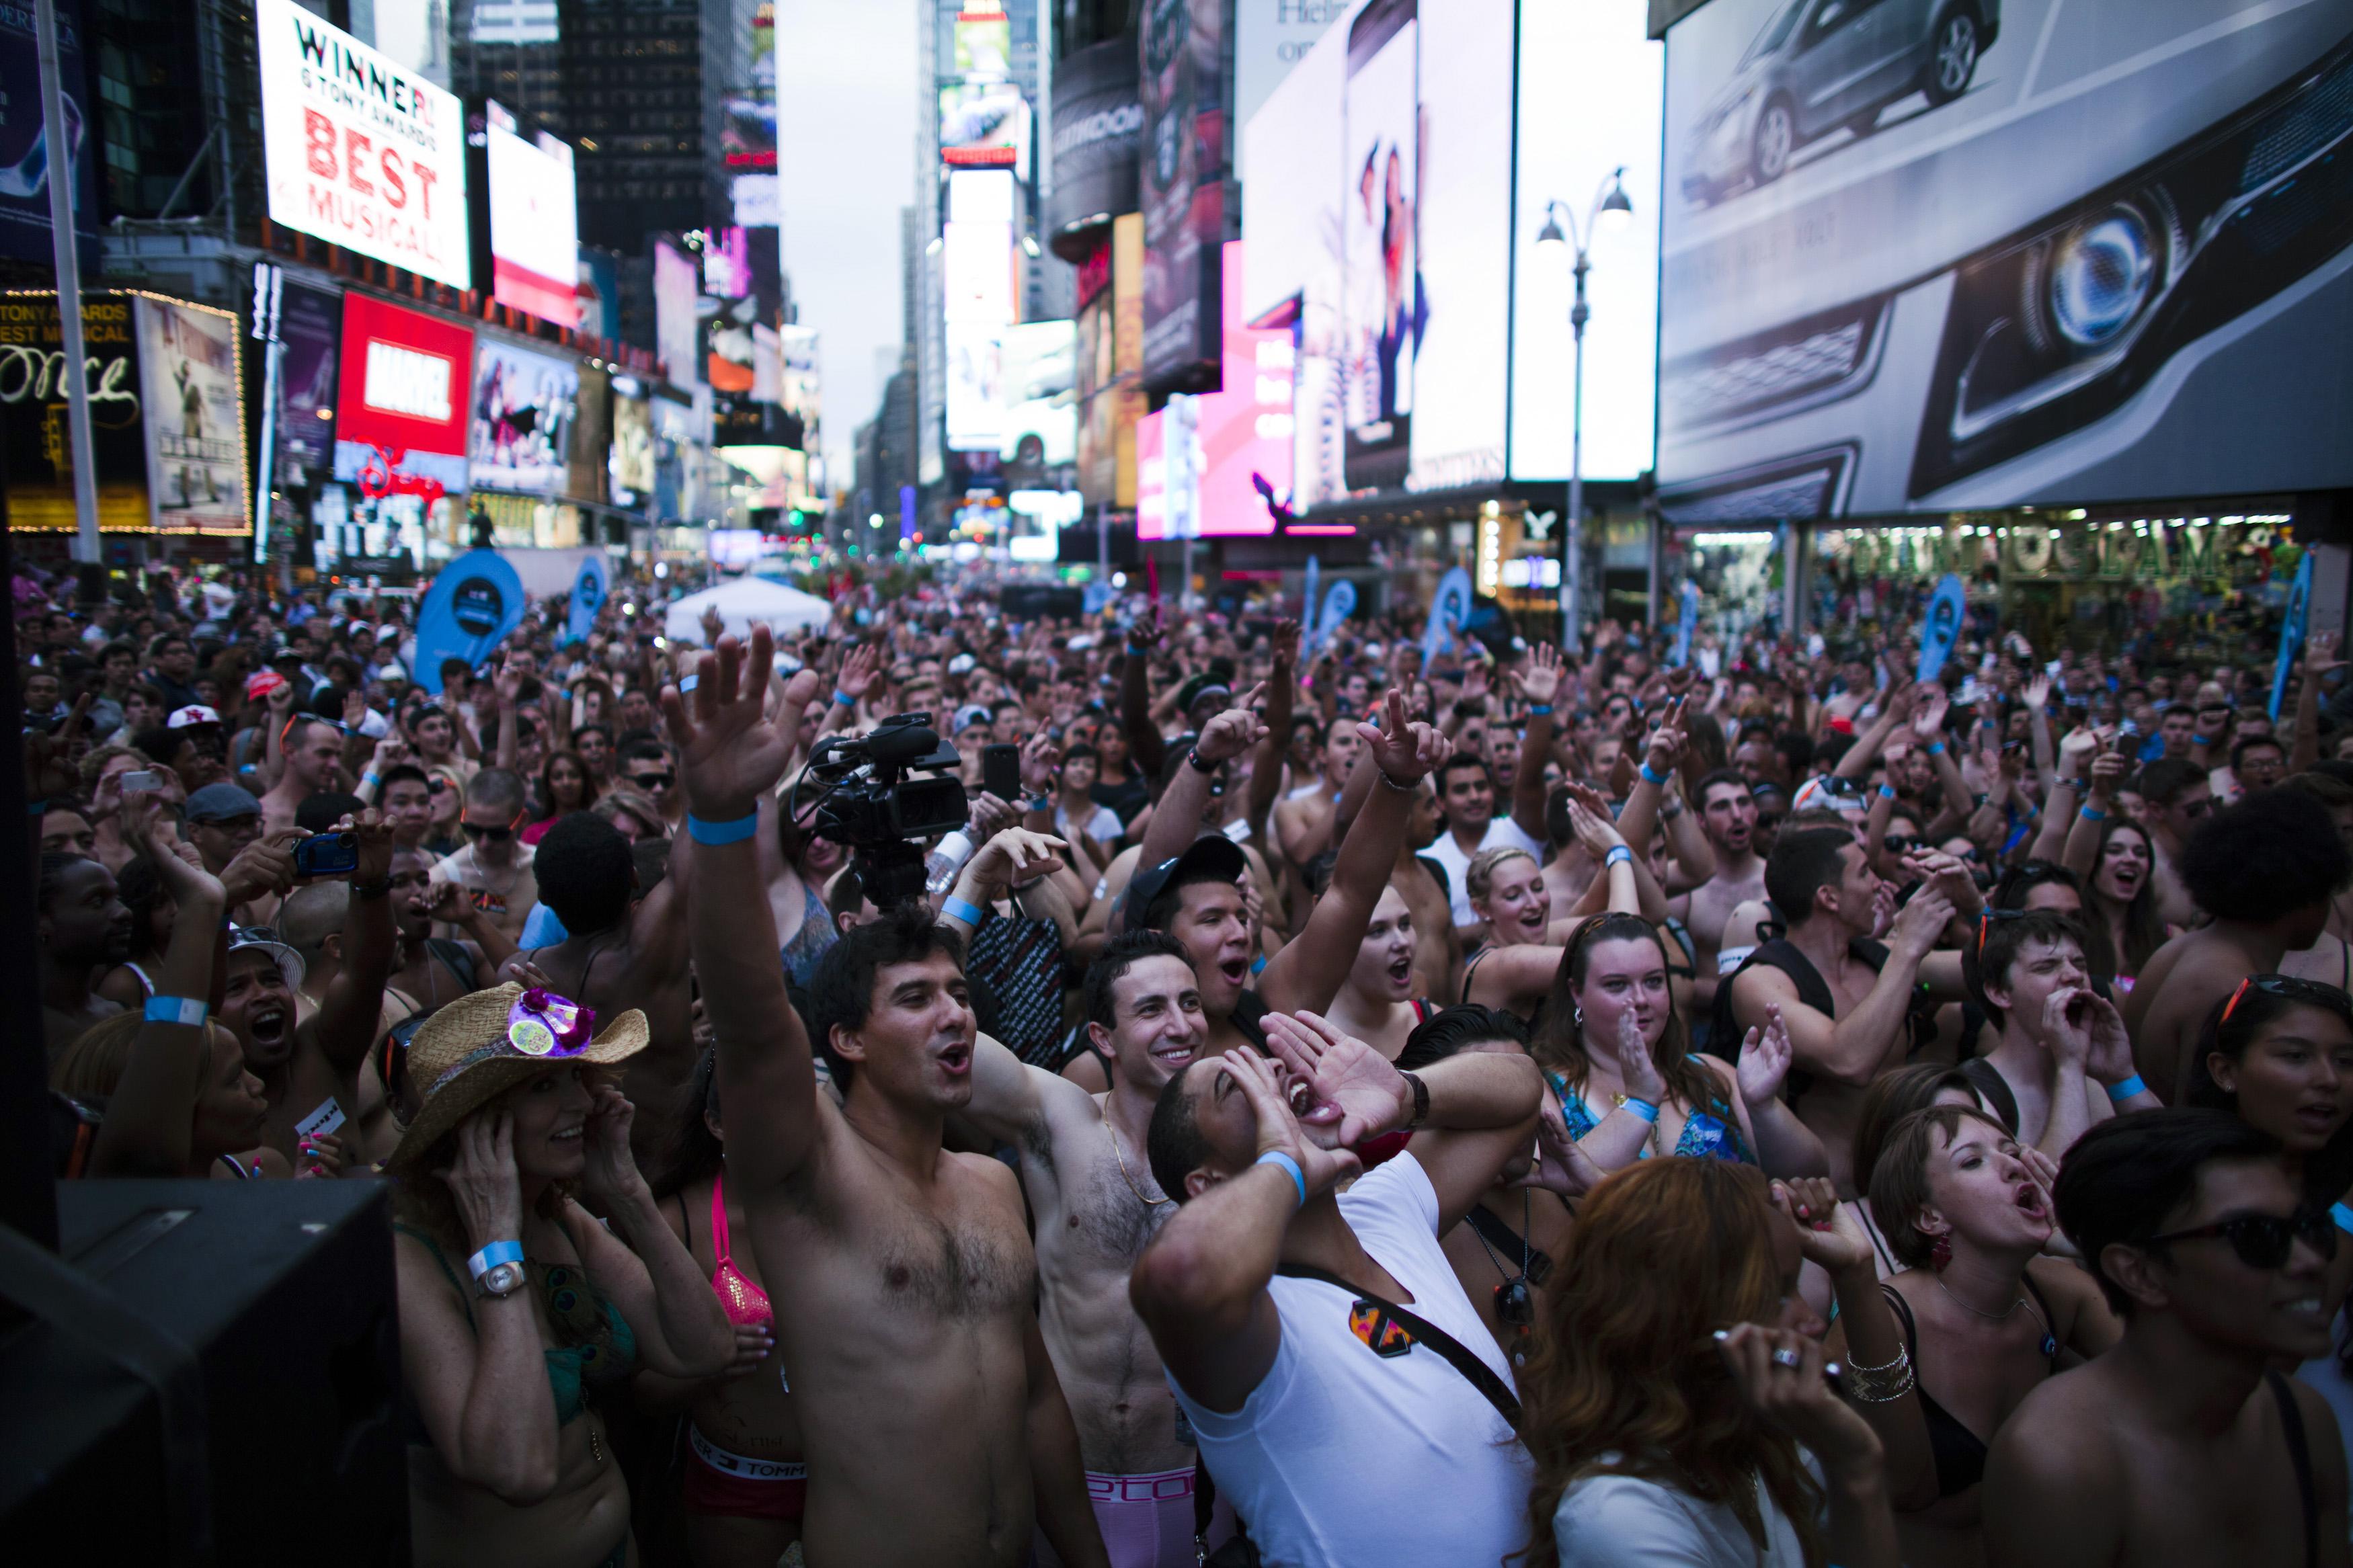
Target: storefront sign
192, 379
358, 151
39, 450
402, 404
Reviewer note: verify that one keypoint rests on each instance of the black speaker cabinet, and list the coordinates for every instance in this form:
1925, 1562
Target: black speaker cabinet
217, 1378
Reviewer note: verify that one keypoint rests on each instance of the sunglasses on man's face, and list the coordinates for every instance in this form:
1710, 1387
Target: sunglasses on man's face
2263, 1241
654, 781
493, 834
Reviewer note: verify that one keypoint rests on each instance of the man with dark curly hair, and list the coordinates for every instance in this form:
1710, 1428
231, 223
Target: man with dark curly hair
2264, 870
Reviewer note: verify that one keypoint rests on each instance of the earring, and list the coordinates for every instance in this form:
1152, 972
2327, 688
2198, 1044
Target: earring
1576, 1015
1941, 1255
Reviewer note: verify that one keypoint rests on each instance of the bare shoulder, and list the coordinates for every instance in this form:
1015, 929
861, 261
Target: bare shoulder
2060, 1439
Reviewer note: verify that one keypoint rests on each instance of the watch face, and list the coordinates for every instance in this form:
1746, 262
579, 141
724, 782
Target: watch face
502, 1278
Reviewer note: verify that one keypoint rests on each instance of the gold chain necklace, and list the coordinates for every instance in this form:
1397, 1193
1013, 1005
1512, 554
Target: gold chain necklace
1112, 1134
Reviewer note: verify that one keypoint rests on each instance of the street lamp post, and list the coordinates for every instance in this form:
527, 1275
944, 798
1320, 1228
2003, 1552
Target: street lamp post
1610, 201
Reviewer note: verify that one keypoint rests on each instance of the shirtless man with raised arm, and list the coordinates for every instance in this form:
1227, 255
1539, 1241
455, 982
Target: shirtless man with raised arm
1095, 1207
1727, 815
901, 1274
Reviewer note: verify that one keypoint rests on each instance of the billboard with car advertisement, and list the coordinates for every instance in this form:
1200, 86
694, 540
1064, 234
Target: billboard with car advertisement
402, 394
192, 375
534, 226
1929, 255
33, 412
358, 151
523, 412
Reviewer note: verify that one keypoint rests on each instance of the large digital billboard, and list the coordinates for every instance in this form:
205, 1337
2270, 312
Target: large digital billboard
1379, 199
1183, 179
402, 393
24, 140
534, 226
1927, 257
192, 377
358, 151
524, 407
1200, 461
677, 285
1590, 81
310, 326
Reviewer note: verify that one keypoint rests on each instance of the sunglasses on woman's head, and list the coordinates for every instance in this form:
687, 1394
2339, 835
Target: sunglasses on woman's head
2264, 1240
2289, 989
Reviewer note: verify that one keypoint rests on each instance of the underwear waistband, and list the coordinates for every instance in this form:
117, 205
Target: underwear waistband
750, 1469
1162, 1485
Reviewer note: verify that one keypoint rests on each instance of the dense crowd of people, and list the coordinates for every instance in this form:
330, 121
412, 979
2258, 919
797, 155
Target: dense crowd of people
1324, 1103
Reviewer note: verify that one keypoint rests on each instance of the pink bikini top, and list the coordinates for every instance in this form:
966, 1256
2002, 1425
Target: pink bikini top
742, 1301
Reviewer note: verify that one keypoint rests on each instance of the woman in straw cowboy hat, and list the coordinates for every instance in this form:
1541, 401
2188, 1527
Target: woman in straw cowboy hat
509, 1462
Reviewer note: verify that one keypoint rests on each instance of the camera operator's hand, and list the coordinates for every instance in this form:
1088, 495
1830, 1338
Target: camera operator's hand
1233, 732
730, 753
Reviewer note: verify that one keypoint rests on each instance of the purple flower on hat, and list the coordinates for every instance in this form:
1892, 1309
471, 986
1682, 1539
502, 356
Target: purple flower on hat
543, 1024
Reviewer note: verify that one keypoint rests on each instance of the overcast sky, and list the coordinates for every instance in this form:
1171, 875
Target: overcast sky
846, 143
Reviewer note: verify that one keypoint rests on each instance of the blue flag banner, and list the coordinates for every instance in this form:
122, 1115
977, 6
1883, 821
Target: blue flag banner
1448, 608
2299, 607
1307, 601
589, 591
1940, 628
1686, 623
1339, 602
475, 601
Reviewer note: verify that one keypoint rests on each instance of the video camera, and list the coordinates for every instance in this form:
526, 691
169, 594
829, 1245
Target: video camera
872, 806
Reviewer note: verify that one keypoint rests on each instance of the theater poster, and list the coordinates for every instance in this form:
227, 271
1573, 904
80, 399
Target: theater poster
190, 375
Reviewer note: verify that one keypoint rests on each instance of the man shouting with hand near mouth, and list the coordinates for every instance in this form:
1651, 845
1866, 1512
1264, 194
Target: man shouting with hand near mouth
1319, 1343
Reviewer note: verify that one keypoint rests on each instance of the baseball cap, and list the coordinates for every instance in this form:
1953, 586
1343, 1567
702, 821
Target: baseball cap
1218, 855
261, 939
969, 716
193, 714
261, 683
222, 803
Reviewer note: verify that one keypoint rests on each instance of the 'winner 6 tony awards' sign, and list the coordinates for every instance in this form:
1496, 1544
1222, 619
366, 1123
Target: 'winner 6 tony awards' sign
360, 151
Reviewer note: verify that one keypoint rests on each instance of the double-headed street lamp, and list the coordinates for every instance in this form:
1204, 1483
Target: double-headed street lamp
1609, 205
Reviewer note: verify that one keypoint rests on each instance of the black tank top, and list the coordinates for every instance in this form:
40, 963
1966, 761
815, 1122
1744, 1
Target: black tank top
1725, 1031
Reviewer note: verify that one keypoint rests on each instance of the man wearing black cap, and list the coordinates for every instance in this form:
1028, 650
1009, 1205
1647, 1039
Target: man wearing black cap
1191, 889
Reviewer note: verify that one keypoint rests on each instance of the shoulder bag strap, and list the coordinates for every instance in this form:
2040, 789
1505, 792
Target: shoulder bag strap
2299, 1453
1477, 1372
1498, 1234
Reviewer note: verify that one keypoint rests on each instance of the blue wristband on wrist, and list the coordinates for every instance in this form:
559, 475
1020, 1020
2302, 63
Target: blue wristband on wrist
2343, 1216
844, 699
189, 1011
718, 833
1298, 1176
959, 909
2090, 815
1887, 791
1936, 749
1543, 707
1643, 1109
2120, 1092
490, 1256
1619, 856
1649, 778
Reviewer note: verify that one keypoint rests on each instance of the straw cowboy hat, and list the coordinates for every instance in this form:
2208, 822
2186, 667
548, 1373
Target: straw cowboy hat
476, 1049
